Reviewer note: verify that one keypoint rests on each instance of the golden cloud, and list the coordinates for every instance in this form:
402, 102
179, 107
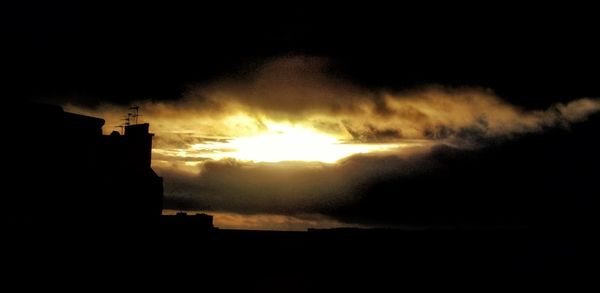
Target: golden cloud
212, 144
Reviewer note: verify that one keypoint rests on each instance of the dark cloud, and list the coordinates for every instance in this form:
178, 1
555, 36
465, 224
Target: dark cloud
299, 91
531, 179
476, 134
284, 188
369, 133
544, 179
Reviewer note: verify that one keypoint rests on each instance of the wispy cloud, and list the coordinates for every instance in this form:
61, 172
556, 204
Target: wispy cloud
195, 135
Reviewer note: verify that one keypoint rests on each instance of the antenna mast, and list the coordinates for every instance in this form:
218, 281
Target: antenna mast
135, 114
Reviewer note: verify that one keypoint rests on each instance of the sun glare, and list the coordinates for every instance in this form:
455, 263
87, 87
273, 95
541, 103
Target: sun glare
284, 142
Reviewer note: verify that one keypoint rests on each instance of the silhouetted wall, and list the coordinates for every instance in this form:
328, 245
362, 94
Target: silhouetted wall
65, 172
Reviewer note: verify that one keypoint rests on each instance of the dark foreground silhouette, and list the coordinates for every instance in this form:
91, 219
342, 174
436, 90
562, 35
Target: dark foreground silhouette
329, 260
65, 172
89, 216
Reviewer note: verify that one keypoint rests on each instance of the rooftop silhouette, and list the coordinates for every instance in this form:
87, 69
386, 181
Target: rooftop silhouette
75, 175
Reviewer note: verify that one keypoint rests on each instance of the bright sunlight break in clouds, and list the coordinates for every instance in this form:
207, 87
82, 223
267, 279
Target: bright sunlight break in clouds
292, 139
280, 142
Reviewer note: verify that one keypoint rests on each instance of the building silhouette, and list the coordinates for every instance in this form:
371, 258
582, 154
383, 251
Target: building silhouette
65, 173
183, 220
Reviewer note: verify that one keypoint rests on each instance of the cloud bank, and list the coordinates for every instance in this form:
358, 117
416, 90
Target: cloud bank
301, 91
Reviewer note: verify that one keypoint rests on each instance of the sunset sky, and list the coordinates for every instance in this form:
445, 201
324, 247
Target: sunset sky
327, 116
289, 139
300, 146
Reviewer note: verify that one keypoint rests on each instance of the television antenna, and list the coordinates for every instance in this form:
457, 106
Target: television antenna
136, 113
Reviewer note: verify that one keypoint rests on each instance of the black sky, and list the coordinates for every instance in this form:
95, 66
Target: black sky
89, 53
